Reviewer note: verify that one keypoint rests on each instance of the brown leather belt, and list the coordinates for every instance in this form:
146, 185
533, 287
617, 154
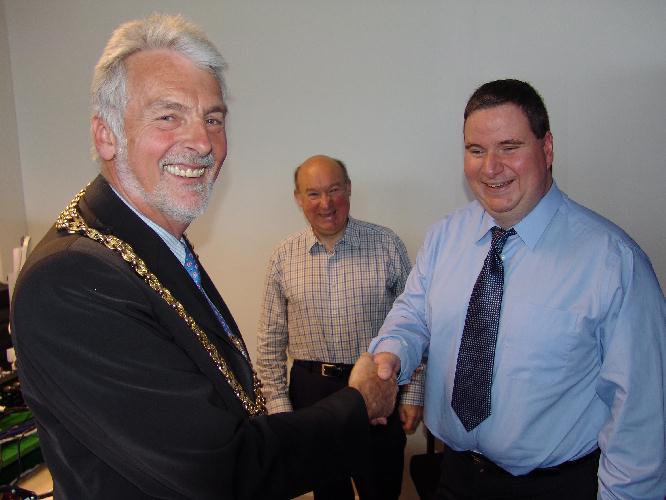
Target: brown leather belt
490, 467
338, 370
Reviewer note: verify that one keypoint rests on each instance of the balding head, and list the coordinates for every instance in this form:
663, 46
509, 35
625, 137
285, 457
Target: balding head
322, 190
321, 159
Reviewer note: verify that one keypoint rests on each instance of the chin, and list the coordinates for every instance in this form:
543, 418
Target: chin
181, 210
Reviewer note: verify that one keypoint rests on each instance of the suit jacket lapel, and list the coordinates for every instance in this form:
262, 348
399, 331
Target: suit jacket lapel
244, 372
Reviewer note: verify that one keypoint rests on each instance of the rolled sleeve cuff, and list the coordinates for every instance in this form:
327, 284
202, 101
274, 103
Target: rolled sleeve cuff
414, 392
278, 405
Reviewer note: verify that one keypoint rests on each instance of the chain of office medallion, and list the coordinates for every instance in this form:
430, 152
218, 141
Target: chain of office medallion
71, 220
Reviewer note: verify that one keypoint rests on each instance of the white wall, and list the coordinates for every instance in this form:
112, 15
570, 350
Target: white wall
379, 83
12, 210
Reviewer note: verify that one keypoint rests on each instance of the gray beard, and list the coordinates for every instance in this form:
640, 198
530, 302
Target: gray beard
160, 198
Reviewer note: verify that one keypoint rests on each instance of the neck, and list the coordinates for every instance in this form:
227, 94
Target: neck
175, 228
329, 242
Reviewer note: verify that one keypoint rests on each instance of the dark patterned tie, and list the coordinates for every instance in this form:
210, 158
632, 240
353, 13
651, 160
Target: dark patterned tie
474, 368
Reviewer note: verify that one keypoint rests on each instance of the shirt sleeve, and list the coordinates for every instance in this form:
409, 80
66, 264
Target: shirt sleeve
273, 340
403, 266
412, 393
405, 331
632, 384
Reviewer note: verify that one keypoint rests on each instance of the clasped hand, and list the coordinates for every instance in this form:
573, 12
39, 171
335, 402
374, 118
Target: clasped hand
377, 384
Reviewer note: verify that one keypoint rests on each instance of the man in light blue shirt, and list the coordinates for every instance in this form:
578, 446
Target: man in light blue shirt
577, 394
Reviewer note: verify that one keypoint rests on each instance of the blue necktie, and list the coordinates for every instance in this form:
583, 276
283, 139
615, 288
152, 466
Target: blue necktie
474, 368
193, 270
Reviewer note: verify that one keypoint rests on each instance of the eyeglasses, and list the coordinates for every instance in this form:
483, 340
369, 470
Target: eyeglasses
15, 493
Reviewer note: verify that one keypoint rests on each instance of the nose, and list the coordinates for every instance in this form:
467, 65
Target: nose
491, 164
325, 200
197, 138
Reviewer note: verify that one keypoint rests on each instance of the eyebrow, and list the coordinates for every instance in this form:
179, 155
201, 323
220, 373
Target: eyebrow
164, 104
218, 108
512, 142
507, 142
325, 188
176, 106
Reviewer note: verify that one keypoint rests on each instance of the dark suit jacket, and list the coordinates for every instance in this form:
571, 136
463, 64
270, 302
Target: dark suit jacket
129, 404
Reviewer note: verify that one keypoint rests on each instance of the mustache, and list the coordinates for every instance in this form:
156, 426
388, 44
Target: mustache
189, 158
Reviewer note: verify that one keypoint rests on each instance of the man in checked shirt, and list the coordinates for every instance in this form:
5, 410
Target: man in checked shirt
328, 290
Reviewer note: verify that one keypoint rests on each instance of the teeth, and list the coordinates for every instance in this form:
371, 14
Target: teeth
501, 184
184, 172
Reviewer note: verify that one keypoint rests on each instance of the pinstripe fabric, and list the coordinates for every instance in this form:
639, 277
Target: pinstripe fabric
327, 307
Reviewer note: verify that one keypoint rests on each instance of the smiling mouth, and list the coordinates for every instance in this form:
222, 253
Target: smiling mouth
498, 185
184, 172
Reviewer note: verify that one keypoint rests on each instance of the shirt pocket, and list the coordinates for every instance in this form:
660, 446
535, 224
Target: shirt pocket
537, 342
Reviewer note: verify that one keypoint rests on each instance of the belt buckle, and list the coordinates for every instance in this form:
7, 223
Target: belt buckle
325, 367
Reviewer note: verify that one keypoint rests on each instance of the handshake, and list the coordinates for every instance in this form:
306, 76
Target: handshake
375, 377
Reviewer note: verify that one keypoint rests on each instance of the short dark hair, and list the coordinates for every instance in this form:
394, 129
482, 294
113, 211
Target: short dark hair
516, 92
343, 167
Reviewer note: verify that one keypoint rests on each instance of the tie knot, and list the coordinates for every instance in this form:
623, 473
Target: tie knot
499, 238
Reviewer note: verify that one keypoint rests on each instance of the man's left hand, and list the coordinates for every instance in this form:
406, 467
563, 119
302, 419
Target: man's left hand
410, 416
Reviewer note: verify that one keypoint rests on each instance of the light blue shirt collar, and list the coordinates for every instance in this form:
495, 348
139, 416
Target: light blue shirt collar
175, 245
533, 225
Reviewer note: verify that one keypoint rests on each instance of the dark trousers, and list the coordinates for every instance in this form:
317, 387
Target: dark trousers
466, 478
383, 479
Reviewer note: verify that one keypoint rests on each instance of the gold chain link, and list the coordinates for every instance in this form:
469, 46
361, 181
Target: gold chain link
70, 220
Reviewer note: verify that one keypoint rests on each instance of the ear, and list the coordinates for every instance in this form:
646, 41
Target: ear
104, 139
348, 189
297, 199
548, 148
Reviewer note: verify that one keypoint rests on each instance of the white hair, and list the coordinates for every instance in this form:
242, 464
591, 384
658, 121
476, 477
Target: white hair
159, 31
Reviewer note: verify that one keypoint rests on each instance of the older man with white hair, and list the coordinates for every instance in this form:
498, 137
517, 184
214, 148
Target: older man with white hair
137, 374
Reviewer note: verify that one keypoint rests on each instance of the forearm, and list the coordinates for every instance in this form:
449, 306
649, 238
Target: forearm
272, 344
272, 370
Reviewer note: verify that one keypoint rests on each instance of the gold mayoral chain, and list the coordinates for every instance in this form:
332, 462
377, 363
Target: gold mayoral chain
71, 221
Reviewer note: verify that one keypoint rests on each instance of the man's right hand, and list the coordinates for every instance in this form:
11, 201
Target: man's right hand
379, 393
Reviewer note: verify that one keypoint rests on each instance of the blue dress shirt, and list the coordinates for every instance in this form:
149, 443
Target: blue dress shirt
580, 361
